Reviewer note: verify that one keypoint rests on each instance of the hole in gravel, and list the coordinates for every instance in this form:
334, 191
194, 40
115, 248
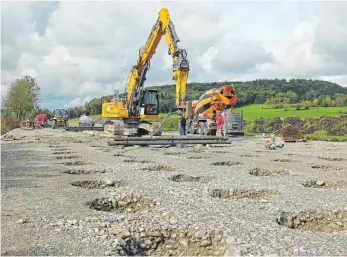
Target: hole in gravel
198, 150
81, 171
267, 172
159, 168
196, 157
249, 155
187, 178
242, 193
98, 184
325, 185
63, 152
328, 222
226, 163
325, 167
220, 152
46, 175
118, 154
129, 204
170, 242
334, 159
61, 149
173, 153
293, 154
284, 160
76, 163
136, 161
68, 157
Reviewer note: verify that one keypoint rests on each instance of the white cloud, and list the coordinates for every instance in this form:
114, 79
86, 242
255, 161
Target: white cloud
86, 49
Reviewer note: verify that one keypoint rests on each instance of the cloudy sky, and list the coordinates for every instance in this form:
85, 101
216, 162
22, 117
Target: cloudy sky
81, 50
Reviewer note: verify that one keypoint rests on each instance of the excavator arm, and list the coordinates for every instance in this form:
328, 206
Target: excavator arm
135, 88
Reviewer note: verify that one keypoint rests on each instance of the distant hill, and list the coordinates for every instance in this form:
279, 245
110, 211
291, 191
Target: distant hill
276, 92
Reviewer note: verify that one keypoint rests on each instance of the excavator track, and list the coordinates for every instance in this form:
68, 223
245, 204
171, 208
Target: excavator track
132, 128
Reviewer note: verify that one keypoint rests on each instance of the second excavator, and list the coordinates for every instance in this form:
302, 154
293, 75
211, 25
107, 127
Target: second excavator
125, 116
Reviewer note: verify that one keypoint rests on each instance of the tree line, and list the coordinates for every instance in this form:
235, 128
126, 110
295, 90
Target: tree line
300, 93
22, 99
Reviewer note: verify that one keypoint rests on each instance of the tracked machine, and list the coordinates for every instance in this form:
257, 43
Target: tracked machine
124, 116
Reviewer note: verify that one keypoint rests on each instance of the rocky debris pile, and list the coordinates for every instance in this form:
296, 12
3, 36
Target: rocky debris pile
324, 185
123, 203
226, 163
328, 222
241, 193
16, 134
187, 178
159, 167
291, 133
267, 172
98, 184
143, 241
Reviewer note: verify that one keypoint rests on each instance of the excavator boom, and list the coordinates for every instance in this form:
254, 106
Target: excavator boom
141, 103
135, 89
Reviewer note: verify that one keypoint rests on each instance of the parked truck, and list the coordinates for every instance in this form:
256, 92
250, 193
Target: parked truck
41, 120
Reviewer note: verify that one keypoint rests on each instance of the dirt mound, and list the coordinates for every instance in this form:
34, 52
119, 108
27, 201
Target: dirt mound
267, 172
187, 178
291, 132
325, 185
242, 193
226, 163
97, 184
159, 168
128, 204
327, 222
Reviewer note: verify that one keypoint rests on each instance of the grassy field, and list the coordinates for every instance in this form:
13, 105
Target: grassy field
251, 112
255, 111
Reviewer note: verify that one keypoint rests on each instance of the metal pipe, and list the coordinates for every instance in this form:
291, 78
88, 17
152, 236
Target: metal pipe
170, 138
164, 142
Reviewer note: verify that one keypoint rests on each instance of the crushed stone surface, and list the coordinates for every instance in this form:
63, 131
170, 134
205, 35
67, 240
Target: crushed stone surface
164, 205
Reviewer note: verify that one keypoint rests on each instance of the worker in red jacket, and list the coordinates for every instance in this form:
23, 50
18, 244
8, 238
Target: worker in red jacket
220, 123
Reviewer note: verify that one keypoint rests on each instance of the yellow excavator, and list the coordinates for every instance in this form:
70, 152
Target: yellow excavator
124, 116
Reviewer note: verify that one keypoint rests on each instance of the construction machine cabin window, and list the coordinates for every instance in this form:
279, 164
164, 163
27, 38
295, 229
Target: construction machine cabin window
151, 102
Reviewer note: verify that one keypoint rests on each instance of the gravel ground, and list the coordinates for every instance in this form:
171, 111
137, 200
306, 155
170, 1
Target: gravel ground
67, 193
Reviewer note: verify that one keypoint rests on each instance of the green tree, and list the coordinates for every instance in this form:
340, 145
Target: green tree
326, 101
315, 102
22, 99
341, 99
306, 104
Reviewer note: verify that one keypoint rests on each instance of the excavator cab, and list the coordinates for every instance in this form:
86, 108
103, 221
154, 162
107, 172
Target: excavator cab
150, 102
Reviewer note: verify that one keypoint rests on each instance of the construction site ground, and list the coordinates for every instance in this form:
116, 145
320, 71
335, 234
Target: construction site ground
68, 193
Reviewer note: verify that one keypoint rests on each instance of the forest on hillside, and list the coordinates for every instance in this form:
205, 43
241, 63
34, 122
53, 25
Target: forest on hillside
277, 92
